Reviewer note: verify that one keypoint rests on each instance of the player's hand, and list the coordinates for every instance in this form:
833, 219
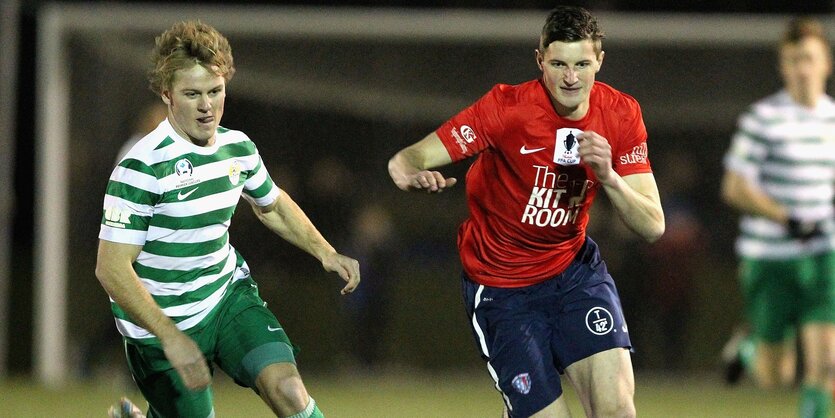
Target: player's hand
597, 153
346, 267
184, 354
430, 181
804, 230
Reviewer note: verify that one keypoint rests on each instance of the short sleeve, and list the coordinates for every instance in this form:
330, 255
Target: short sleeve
259, 186
748, 148
132, 192
631, 154
475, 128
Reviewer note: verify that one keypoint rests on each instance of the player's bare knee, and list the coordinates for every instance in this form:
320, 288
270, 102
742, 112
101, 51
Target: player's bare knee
819, 374
289, 394
282, 387
769, 381
617, 408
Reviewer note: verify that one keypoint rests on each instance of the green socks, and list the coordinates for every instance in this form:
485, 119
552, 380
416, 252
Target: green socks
747, 354
310, 411
316, 413
814, 402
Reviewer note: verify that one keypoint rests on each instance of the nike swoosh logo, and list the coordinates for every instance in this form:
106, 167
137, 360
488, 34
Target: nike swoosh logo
269, 328
525, 151
181, 195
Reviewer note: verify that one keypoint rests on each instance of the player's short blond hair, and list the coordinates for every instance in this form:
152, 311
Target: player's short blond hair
184, 45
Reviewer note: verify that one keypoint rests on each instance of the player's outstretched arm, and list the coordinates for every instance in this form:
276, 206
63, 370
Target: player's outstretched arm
411, 167
286, 218
114, 269
738, 192
741, 194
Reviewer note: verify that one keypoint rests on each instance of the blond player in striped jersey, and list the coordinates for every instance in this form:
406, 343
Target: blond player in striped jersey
181, 295
780, 174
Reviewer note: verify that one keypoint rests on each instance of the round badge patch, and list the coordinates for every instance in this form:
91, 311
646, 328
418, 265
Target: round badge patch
599, 321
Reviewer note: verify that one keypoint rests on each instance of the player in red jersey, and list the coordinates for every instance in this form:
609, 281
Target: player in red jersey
540, 298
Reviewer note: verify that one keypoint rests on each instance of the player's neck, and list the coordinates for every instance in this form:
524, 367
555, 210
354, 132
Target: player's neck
571, 113
808, 100
201, 143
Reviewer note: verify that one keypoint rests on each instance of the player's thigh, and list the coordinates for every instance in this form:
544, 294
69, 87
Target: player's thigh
163, 388
818, 287
557, 409
772, 292
250, 338
591, 320
604, 381
515, 341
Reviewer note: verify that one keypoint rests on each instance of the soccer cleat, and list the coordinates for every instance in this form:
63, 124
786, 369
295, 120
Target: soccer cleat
125, 409
732, 358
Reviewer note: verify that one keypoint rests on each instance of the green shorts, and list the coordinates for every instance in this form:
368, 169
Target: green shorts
241, 338
782, 295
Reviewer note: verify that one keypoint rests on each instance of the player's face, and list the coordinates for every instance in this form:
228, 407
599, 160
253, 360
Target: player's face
568, 71
195, 104
805, 67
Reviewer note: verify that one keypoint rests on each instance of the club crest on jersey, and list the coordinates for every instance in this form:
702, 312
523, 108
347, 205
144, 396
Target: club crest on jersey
522, 383
467, 136
184, 167
235, 172
567, 151
599, 321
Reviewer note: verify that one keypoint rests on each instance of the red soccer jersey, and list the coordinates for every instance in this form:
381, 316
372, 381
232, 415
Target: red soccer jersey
528, 192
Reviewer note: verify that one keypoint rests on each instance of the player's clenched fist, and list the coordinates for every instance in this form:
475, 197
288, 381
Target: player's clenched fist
595, 151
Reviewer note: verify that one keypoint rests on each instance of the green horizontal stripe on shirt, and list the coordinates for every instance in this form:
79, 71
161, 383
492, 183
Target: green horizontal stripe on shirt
754, 137
235, 150
196, 295
820, 161
138, 166
262, 190
780, 178
214, 217
131, 193
802, 202
176, 276
185, 249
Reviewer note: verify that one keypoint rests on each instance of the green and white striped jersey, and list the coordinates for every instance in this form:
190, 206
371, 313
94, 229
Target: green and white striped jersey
788, 152
176, 200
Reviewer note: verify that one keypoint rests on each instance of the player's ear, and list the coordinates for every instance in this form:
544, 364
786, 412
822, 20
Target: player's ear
600, 60
166, 97
538, 57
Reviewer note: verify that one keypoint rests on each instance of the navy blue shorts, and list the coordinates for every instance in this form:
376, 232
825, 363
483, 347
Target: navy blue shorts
529, 335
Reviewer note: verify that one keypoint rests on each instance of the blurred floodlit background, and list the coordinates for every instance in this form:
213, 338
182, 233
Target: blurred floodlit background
329, 92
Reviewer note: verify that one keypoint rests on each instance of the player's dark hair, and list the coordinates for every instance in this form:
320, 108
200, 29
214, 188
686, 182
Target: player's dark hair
804, 27
571, 24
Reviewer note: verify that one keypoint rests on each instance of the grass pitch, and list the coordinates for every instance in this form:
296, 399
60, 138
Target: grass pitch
412, 395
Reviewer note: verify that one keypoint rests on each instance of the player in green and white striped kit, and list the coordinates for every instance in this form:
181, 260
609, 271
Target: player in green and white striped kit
182, 296
780, 173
